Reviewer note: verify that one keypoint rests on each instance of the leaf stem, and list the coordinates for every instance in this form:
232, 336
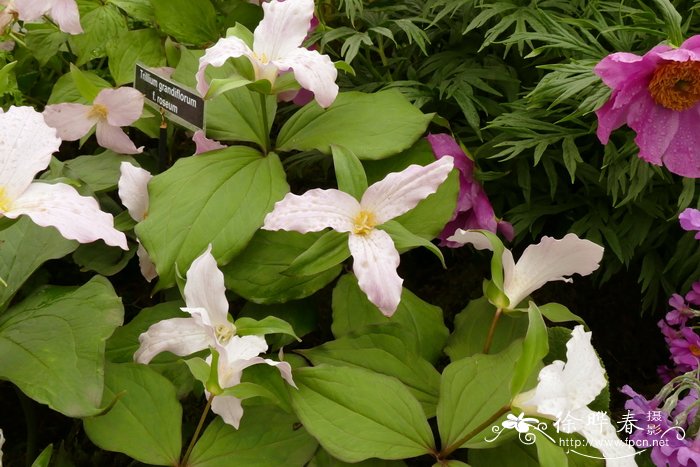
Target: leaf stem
186, 457
492, 330
457, 444
266, 129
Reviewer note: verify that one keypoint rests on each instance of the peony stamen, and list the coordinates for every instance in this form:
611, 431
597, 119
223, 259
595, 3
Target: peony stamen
676, 85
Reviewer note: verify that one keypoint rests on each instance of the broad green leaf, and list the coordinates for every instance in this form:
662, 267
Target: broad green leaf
145, 422
58, 335
421, 322
329, 250
267, 325
220, 197
101, 25
349, 172
65, 89
267, 437
141, 10
511, 454
44, 40
473, 391
372, 126
143, 45
357, 414
472, 326
100, 172
386, 354
405, 240
187, 21
535, 348
25, 247
558, 313
301, 314
101, 258
258, 274
87, 89
323, 459
548, 453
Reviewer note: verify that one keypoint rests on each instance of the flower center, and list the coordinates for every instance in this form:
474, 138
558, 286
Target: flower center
676, 85
5, 202
694, 349
98, 111
224, 332
364, 222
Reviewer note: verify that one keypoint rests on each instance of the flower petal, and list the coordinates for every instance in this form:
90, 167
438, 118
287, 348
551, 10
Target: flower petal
549, 260
114, 138
615, 69
400, 192
65, 14
76, 217
30, 10
124, 105
375, 260
229, 408
71, 121
216, 55
181, 336
656, 128
205, 289
313, 211
602, 435
26, 145
682, 156
204, 144
148, 269
283, 28
477, 239
313, 71
133, 190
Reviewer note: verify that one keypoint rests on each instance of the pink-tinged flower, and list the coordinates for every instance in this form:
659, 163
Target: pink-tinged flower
474, 210
205, 300
373, 251
63, 12
111, 109
564, 391
681, 312
204, 144
549, 260
658, 96
133, 191
690, 220
693, 296
236, 355
685, 349
277, 48
26, 145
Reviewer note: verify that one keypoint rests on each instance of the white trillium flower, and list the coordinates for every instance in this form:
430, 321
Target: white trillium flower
549, 260
236, 355
64, 12
277, 48
205, 299
2, 441
373, 251
563, 393
26, 145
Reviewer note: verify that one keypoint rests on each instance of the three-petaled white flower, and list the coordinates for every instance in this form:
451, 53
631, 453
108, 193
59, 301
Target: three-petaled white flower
373, 251
64, 12
549, 260
564, 391
277, 48
26, 145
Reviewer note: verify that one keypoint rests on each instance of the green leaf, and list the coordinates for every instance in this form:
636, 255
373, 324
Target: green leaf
87, 89
65, 89
25, 247
267, 437
405, 240
44, 41
510, 454
673, 21
300, 314
44, 458
349, 172
101, 258
58, 334
372, 126
140, 10
353, 420
101, 25
100, 172
145, 422
329, 250
268, 325
187, 21
535, 348
420, 322
550, 454
472, 326
558, 313
220, 197
323, 459
383, 353
259, 273
473, 391
143, 45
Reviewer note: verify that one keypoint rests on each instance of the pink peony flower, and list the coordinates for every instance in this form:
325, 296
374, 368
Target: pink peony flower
111, 109
474, 211
690, 220
658, 96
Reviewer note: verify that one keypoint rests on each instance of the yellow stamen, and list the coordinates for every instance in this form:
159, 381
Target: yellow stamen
694, 349
364, 222
98, 111
676, 85
5, 202
224, 332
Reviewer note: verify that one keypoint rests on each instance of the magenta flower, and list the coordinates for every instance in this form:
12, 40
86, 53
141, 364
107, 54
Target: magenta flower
64, 13
693, 296
474, 210
690, 220
681, 311
658, 96
685, 349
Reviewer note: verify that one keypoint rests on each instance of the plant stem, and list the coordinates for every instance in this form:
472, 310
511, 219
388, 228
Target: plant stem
457, 444
492, 330
266, 129
186, 457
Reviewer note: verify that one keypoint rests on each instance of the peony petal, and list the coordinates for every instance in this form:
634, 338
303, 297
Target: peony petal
148, 269
31, 10
656, 128
229, 408
181, 336
204, 144
692, 43
313, 211
682, 157
399, 192
313, 71
375, 260
549, 260
26, 144
133, 190
283, 28
205, 289
216, 55
114, 138
476, 239
615, 69
71, 121
443, 144
65, 14
76, 217
690, 219
124, 105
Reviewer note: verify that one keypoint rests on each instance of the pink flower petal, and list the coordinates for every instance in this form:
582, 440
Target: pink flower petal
181, 336
76, 217
65, 14
283, 28
312, 71
476, 239
205, 289
204, 144
313, 211
71, 121
375, 260
614, 69
114, 138
31, 10
229, 408
682, 156
26, 145
399, 192
133, 190
124, 105
216, 56
656, 128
